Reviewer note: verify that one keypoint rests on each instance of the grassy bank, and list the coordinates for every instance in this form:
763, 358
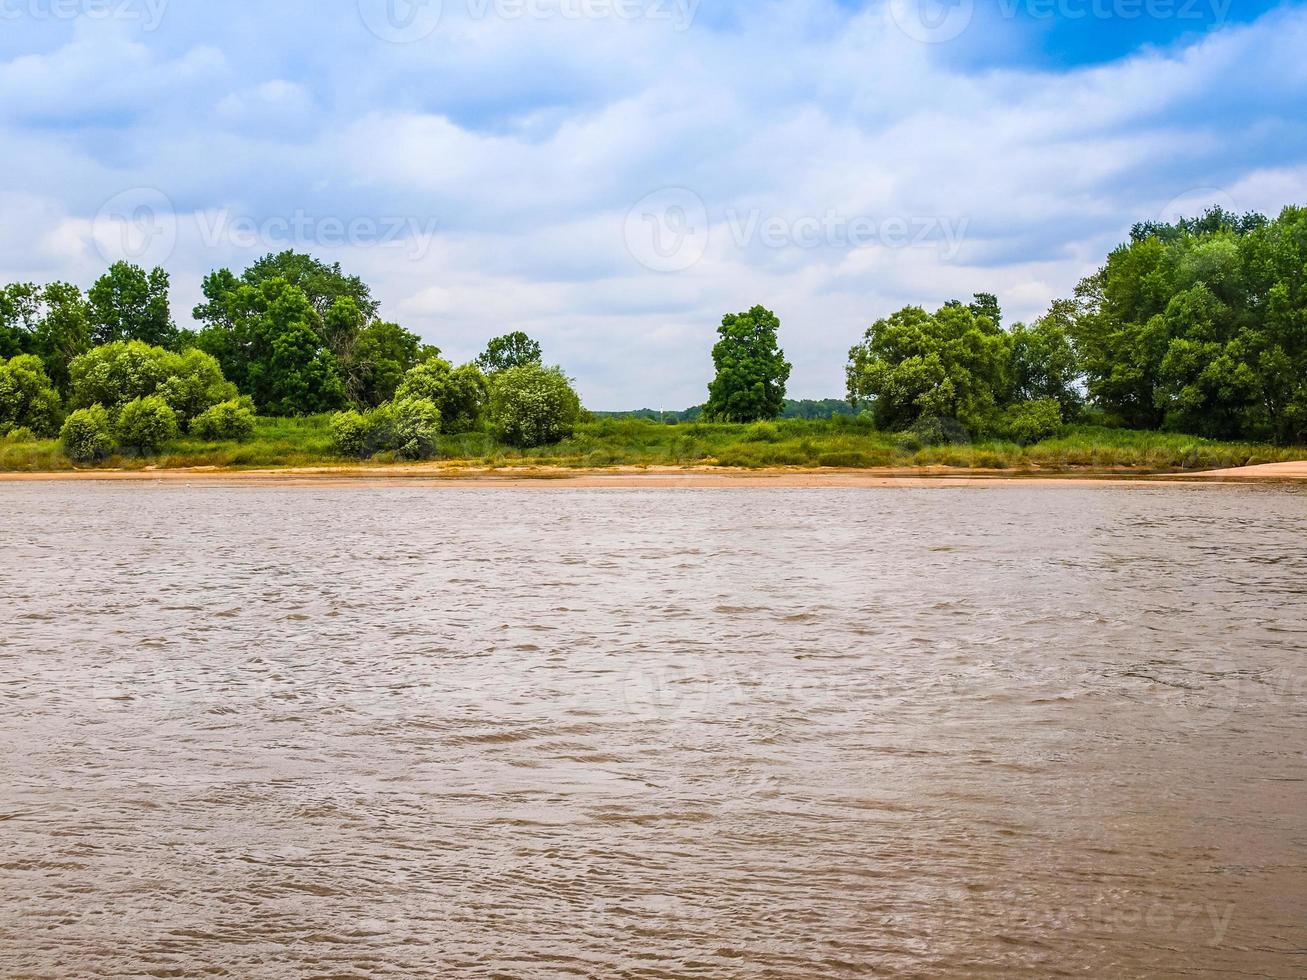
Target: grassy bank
837, 443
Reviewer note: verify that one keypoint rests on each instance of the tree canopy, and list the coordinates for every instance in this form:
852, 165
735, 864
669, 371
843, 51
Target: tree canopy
751, 369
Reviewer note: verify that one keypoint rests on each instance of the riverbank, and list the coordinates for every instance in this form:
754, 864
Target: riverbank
803, 452
632, 477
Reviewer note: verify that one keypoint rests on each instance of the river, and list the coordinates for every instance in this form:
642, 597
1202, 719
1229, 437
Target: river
464, 732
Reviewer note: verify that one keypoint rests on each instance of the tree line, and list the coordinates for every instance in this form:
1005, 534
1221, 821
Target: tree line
1198, 326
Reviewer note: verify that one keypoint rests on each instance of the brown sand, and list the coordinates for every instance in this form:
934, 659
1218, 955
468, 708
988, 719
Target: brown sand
631, 477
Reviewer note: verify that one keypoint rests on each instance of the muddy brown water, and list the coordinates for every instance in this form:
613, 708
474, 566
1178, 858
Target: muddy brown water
398, 731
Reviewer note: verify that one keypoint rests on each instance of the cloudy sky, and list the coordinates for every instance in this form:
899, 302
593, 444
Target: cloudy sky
613, 175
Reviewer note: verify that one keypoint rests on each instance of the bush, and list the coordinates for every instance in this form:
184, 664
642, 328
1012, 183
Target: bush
762, 432
195, 384
349, 435
533, 406
232, 420
21, 434
1026, 423
85, 435
27, 398
146, 424
933, 431
408, 427
459, 393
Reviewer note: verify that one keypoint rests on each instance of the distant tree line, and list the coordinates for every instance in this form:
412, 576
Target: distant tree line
1198, 326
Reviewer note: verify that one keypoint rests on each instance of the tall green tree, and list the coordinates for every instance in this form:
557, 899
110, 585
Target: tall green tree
128, 303
511, 350
51, 322
269, 340
751, 368
915, 365
1045, 363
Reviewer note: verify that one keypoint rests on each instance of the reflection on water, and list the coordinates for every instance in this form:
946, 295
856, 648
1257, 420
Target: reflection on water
350, 732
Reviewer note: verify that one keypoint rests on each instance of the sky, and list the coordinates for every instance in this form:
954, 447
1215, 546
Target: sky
613, 176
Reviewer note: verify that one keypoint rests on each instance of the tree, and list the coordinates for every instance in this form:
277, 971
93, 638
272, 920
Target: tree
145, 425
128, 303
268, 338
460, 393
915, 365
51, 322
85, 435
321, 283
986, 305
27, 398
751, 369
118, 373
532, 405
512, 350
1045, 363
380, 356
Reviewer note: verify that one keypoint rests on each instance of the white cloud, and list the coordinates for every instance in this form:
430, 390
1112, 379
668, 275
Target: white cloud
527, 142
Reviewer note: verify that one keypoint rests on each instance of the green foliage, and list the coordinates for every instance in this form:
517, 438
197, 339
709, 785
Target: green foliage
115, 374
321, 283
349, 435
128, 303
27, 398
377, 360
1030, 421
1201, 326
533, 405
52, 322
194, 384
1045, 363
460, 393
947, 365
269, 340
408, 427
231, 420
512, 350
121, 372
146, 424
85, 435
751, 369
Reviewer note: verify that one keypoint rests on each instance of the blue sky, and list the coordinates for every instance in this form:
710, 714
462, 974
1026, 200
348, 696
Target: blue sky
614, 175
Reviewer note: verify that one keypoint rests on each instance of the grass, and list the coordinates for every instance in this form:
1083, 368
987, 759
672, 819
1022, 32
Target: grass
845, 443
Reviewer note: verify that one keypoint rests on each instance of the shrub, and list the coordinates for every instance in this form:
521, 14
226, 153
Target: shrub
408, 427
933, 431
459, 393
533, 406
232, 420
349, 435
85, 435
21, 434
195, 384
762, 432
1030, 422
117, 373
146, 424
27, 398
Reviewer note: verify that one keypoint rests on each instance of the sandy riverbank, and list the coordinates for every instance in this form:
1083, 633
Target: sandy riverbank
620, 477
